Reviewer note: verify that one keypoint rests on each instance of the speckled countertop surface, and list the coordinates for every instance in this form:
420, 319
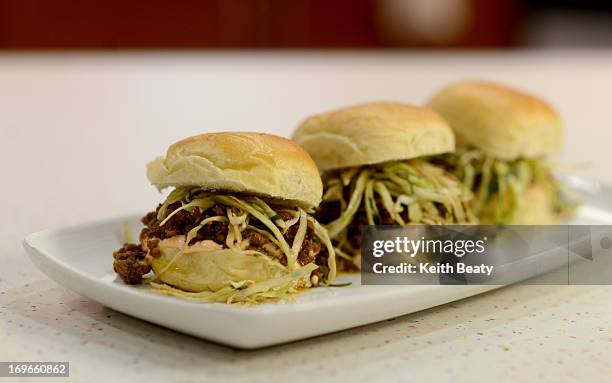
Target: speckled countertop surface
552, 333
78, 129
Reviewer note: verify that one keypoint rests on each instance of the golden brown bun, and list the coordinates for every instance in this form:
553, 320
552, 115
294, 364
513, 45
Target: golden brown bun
502, 122
373, 133
210, 269
241, 162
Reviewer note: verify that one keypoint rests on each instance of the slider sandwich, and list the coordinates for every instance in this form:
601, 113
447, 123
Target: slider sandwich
376, 166
236, 226
503, 139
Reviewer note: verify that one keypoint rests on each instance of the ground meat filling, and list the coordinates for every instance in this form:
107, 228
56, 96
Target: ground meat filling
182, 222
329, 211
131, 265
311, 245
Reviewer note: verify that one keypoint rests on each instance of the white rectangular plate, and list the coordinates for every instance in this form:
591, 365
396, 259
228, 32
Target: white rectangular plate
80, 258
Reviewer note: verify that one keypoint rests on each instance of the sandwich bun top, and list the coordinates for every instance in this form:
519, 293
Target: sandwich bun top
241, 162
373, 133
500, 121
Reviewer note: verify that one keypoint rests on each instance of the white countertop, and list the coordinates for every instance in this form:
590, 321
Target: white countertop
77, 129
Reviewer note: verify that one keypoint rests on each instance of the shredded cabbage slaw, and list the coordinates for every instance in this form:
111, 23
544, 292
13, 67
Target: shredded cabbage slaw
409, 192
499, 186
240, 213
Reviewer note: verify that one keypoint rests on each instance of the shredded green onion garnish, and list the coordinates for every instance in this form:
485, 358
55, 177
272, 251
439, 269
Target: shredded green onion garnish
236, 202
175, 195
203, 204
399, 192
499, 186
345, 284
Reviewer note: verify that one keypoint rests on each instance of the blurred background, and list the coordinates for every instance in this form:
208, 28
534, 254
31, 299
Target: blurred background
91, 90
110, 24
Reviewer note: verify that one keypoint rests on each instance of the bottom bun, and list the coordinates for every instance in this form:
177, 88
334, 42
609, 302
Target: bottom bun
197, 269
